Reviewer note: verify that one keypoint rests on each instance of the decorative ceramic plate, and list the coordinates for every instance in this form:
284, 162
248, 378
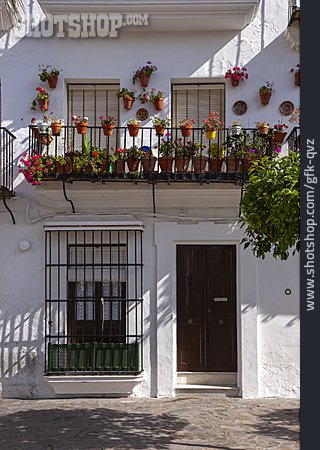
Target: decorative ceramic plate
286, 108
240, 107
142, 114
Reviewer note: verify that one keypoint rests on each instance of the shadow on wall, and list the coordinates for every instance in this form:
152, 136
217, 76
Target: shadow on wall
84, 428
21, 356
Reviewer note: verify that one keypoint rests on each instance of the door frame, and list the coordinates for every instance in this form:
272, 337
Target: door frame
175, 300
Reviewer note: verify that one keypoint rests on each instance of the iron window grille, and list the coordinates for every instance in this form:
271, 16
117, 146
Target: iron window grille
93, 301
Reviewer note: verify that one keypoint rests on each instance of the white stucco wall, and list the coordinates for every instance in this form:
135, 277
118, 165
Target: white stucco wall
268, 331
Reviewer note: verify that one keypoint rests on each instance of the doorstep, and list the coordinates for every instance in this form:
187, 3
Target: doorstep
93, 385
206, 390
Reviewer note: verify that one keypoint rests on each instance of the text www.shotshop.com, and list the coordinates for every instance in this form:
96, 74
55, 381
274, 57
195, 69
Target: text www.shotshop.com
310, 181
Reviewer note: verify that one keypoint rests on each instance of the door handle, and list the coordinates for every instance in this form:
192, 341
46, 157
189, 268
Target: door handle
190, 321
220, 322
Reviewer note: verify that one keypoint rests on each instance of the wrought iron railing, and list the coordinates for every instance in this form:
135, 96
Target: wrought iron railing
170, 157
293, 140
6, 161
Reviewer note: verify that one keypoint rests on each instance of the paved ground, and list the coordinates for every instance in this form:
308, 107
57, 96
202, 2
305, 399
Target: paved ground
181, 423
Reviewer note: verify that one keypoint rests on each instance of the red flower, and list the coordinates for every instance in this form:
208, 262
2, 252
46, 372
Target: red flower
95, 153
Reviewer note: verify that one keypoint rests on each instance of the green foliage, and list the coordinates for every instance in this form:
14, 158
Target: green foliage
271, 207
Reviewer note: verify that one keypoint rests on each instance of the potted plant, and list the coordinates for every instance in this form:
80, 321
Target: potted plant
211, 124
183, 153
166, 152
236, 74
56, 125
107, 124
42, 99
296, 71
199, 159
134, 127
148, 161
99, 161
81, 123
186, 126
144, 73
216, 155
34, 167
263, 128
63, 165
119, 156
279, 132
160, 125
235, 128
157, 99
265, 92
133, 157
49, 74
42, 131
144, 97
128, 96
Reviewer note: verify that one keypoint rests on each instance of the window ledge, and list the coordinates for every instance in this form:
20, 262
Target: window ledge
93, 385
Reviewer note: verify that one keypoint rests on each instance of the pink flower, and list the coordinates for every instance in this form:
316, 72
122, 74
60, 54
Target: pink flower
101, 117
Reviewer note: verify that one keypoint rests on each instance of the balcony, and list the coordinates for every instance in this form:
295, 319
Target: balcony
6, 167
148, 158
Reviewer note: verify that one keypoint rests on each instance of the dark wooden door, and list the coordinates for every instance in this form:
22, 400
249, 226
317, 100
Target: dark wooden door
206, 308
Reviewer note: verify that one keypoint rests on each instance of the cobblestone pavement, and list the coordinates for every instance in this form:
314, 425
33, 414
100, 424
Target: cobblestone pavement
180, 423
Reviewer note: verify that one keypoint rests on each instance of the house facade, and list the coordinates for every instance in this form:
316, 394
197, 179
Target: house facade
134, 282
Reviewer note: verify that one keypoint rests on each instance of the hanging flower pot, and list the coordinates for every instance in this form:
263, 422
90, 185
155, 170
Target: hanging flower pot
133, 164
199, 163
186, 130
148, 163
158, 104
107, 129
160, 129
211, 134
133, 129
265, 92
144, 80
263, 128
82, 127
265, 98
46, 139
234, 82
127, 103
52, 82
279, 136
297, 78
182, 164
43, 104
215, 164
166, 164
56, 128
236, 74
232, 164
235, 130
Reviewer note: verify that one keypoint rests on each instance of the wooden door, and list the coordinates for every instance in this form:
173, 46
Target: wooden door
206, 308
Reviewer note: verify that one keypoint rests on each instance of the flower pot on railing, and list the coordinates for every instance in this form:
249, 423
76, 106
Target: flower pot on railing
65, 168
199, 164
182, 164
133, 164
215, 164
244, 165
107, 129
52, 82
43, 104
133, 129
263, 130
105, 166
82, 127
211, 134
144, 80
234, 82
45, 139
265, 98
279, 136
56, 128
232, 164
158, 104
127, 103
185, 130
159, 130
148, 163
235, 130
297, 78
166, 163
119, 167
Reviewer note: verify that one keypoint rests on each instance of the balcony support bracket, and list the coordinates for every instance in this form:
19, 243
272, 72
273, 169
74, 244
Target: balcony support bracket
7, 208
65, 195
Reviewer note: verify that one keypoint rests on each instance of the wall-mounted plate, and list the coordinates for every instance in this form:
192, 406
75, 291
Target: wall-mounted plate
240, 107
286, 108
142, 114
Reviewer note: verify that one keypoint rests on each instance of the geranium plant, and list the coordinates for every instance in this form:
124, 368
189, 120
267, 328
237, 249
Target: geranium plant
107, 120
186, 122
144, 97
166, 147
134, 152
119, 153
55, 119
280, 127
126, 93
236, 74
213, 121
134, 121
157, 121
34, 168
49, 74
267, 87
155, 95
42, 99
79, 120
146, 70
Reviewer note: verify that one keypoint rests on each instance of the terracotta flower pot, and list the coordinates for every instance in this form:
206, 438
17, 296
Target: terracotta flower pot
133, 129
148, 163
158, 104
279, 136
43, 104
215, 164
52, 82
232, 164
263, 131
105, 166
127, 103
166, 163
234, 82
56, 128
133, 164
244, 165
182, 164
186, 130
199, 163
107, 129
144, 80
82, 127
65, 168
46, 139
265, 98
119, 167
297, 78
159, 130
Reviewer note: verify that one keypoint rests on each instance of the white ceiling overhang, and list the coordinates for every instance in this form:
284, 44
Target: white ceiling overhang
167, 15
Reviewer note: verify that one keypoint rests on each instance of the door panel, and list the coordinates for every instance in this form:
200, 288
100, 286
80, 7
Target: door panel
206, 308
